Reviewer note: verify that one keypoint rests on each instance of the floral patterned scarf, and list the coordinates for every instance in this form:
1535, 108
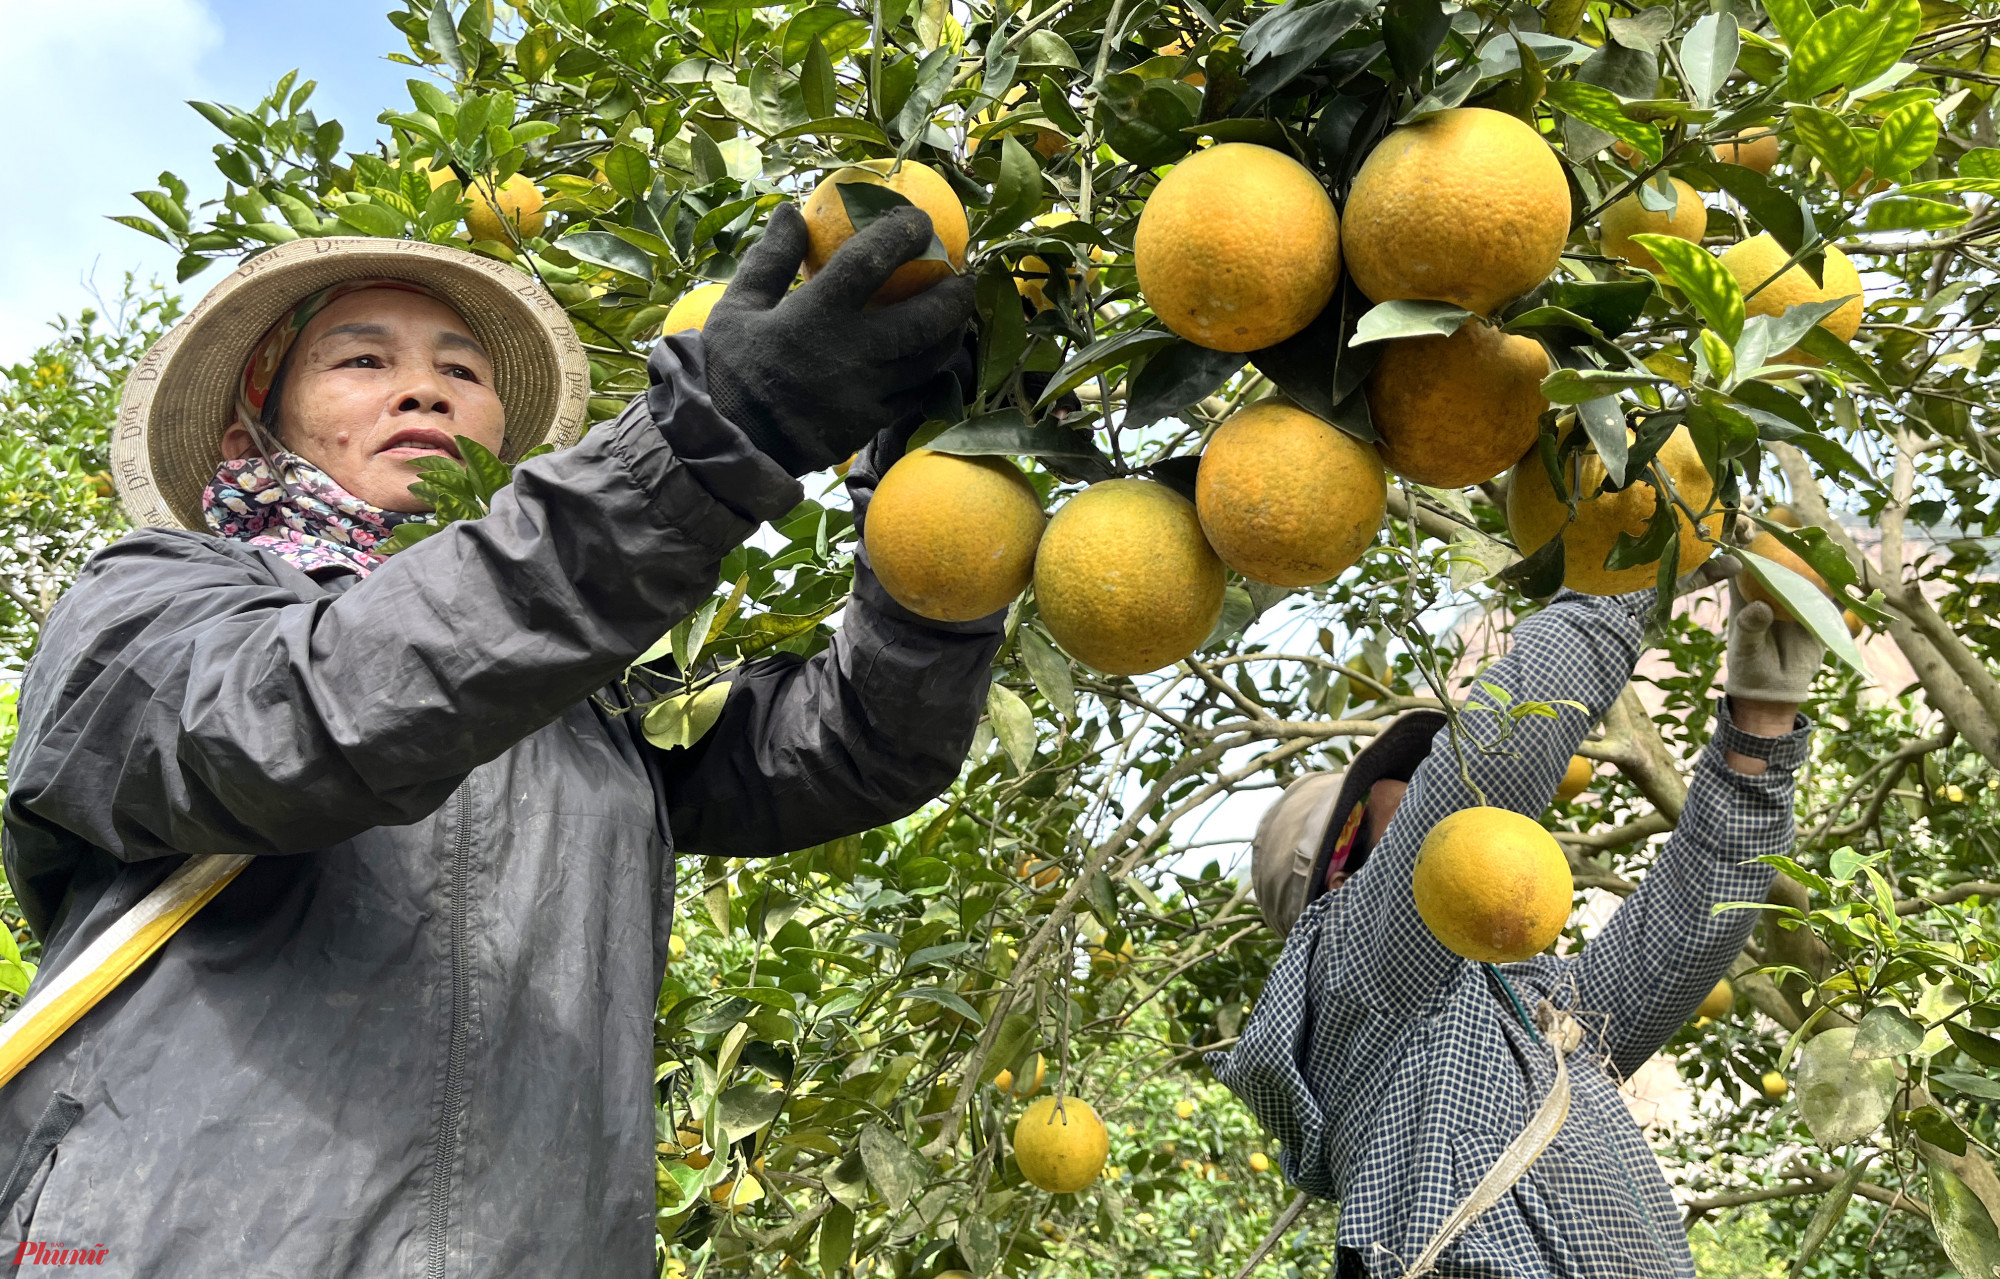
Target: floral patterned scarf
287, 505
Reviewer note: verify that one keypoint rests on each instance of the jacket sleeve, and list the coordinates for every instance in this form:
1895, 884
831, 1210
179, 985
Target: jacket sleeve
1580, 649
864, 732
1665, 946
195, 696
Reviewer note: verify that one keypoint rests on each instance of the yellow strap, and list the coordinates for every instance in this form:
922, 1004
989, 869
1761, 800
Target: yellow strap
96, 972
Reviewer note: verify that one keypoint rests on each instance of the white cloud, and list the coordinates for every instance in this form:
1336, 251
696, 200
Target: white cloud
94, 94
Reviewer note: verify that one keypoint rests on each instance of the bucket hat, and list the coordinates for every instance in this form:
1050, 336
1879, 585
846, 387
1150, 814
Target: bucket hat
180, 397
1296, 837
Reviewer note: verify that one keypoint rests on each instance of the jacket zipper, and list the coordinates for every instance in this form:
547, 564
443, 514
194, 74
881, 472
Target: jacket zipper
446, 1151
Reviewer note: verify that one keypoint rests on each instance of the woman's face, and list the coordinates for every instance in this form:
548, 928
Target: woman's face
379, 379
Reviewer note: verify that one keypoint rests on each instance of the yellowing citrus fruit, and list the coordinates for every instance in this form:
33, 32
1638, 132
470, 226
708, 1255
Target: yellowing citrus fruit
1758, 258
1060, 1152
1853, 620
1576, 779
690, 310
1034, 276
1259, 1161
1492, 885
1237, 248
1775, 1085
1768, 546
1534, 515
1687, 220
1042, 878
1718, 1001
1757, 153
1457, 410
1184, 1109
517, 206
1104, 961
828, 226
1004, 1081
1782, 515
1287, 499
1124, 578
953, 538
677, 948
1467, 207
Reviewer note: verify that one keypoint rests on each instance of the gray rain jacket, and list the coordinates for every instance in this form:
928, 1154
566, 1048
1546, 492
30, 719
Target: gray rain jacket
414, 1037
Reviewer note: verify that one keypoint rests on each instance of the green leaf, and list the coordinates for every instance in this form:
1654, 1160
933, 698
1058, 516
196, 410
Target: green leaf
601, 248
896, 1171
1817, 549
1412, 30
1708, 55
1984, 1049
864, 202
628, 171
1907, 138
372, 219
1828, 53
444, 37
1706, 282
1822, 345
1050, 671
1908, 213
1831, 1210
1003, 331
1175, 377
1774, 208
933, 78
1407, 319
819, 88
1101, 356
1144, 120
1284, 41
1601, 109
1841, 1099
709, 164
1006, 432
1013, 723
1893, 25
1538, 574
1576, 386
1963, 1225
1013, 1042
747, 1109
836, 1240
1968, 1083
1793, 18
1238, 611
488, 473
684, 718
1017, 191
1613, 307
1829, 138
1044, 48
1886, 1032
1935, 1126
1055, 105
1809, 605
847, 1182
142, 224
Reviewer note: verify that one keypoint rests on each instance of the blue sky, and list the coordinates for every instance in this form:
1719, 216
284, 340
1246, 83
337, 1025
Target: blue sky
94, 94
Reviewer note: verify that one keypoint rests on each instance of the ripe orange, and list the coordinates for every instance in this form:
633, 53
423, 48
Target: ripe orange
828, 226
1286, 498
1457, 410
1469, 207
1238, 247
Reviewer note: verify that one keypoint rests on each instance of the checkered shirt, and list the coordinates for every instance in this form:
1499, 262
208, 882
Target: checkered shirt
1395, 1072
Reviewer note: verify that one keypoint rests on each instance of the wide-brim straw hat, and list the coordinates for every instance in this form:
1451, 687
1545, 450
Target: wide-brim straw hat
1296, 837
182, 394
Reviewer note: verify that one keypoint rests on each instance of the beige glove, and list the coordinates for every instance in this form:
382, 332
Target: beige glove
1769, 660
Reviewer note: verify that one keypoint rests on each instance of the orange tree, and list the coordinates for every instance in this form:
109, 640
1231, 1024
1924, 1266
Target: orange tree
1688, 193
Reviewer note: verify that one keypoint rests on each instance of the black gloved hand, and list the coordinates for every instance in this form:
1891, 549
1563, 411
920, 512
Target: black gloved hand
812, 374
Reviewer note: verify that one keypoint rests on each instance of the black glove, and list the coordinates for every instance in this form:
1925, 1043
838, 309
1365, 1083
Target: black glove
812, 374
